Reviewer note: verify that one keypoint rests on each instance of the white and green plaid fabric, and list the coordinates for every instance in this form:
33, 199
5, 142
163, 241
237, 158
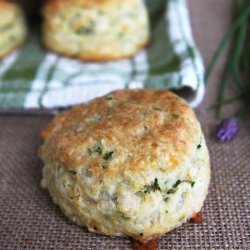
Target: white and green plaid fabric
33, 78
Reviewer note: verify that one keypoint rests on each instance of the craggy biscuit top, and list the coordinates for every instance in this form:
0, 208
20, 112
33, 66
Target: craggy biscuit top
126, 130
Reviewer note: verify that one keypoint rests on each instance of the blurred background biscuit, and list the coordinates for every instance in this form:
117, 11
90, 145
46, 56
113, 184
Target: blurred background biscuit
95, 30
12, 27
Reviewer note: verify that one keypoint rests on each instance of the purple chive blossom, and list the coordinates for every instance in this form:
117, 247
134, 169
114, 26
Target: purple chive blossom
228, 129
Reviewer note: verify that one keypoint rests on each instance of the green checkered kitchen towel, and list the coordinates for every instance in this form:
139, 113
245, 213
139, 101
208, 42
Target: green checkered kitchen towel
33, 78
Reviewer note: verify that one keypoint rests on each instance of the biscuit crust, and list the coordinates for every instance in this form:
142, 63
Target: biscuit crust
134, 162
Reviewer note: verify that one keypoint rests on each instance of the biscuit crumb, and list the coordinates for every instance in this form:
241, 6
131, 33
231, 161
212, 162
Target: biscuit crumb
27, 241
150, 245
197, 218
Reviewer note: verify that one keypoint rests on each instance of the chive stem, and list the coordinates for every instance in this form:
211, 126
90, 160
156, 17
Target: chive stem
238, 23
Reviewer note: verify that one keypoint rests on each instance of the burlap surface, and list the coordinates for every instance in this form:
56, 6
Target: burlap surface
29, 219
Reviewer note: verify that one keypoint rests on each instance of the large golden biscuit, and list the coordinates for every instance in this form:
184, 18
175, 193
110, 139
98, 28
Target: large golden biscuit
133, 162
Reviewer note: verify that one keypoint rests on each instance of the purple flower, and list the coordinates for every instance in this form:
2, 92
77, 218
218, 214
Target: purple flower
228, 129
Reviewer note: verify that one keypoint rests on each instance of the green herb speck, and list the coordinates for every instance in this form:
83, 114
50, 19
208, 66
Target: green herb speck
150, 188
109, 97
96, 118
98, 148
158, 109
73, 172
141, 234
156, 185
89, 151
182, 218
125, 217
114, 198
166, 211
86, 30
174, 187
105, 165
177, 183
192, 183
198, 146
108, 155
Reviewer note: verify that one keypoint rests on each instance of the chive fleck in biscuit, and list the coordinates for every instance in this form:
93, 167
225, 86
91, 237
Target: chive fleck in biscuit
133, 162
12, 27
95, 30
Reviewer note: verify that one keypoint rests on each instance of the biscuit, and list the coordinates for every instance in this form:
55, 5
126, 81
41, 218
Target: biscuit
98, 30
133, 162
12, 27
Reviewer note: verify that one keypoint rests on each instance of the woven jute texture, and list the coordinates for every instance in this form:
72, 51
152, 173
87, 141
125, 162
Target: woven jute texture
30, 220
